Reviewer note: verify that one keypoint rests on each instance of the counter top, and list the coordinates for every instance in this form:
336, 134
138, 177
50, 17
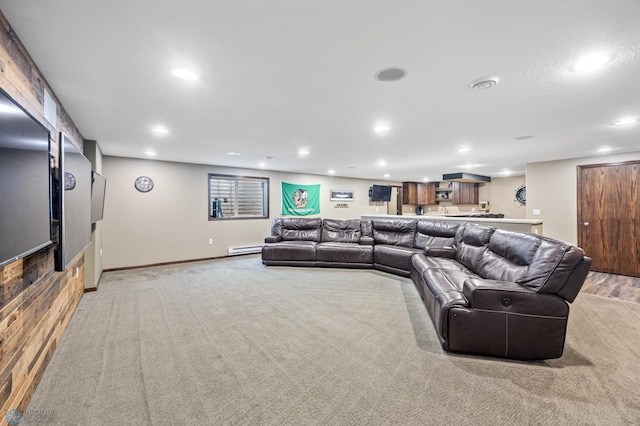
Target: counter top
458, 218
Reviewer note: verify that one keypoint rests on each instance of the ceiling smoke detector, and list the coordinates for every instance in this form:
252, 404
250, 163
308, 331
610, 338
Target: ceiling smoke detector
484, 83
391, 74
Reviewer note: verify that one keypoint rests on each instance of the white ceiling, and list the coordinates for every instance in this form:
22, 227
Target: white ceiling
277, 76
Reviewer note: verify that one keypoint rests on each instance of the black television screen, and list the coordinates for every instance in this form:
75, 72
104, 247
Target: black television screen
380, 193
25, 183
73, 200
98, 187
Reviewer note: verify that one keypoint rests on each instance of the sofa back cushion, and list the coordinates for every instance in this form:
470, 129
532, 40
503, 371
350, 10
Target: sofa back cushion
508, 256
276, 227
341, 231
436, 233
471, 243
301, 229
396, 232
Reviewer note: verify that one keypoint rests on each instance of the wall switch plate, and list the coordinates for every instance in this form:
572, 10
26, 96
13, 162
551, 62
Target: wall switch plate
536, 212
210, 241
100, 252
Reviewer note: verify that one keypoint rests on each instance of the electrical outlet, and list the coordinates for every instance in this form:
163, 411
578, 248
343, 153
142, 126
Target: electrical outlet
210, 241
536, 212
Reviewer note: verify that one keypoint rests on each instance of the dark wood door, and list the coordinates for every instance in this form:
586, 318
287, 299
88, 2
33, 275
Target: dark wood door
608, 218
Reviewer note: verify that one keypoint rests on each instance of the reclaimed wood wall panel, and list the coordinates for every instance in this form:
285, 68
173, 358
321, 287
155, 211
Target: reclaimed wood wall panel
36, 302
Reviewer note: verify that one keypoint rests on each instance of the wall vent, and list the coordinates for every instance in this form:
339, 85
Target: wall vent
235, 251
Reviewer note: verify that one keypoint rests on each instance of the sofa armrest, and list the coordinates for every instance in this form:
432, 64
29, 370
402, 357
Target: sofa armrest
448, 252
366, 241
273, 239
506, 296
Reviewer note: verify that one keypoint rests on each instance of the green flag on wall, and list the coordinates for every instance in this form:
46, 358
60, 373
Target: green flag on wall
300, 200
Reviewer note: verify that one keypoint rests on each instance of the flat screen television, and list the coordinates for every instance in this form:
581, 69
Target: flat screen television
73, 203
25, 183
98, 189
380, 193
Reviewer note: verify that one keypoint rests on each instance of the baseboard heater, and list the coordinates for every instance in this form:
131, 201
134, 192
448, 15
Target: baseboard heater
235, 251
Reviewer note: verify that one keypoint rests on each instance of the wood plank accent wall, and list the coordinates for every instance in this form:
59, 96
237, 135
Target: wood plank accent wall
36, 303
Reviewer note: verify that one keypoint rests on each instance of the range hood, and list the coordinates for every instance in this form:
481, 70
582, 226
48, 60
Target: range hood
466, 177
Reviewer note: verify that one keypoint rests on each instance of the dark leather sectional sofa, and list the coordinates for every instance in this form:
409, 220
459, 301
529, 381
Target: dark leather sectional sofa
488, 291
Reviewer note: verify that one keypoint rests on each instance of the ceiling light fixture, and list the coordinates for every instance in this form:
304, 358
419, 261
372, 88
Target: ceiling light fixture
262, 164
464, 149
484, 83
382, 163
604, 149
150, 153
160, 130
625, 121
386, 175
590, 63
426, 179
382, 128
233, 153
331, 172
303, 151
184, 74
390, 74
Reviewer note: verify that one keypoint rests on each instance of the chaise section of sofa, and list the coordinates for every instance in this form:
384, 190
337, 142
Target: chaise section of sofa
501, 293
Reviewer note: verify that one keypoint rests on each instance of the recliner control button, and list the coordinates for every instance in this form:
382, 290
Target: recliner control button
506, 301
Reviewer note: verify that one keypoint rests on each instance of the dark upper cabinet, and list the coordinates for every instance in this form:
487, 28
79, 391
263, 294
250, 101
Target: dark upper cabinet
465, 193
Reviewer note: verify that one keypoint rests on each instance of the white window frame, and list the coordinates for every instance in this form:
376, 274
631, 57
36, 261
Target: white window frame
231, 211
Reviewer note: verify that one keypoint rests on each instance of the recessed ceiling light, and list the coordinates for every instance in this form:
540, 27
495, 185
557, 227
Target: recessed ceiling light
382, 163
184, 74
469, 166
484, 83
382, 128
464, 149
233, 153
426, 179
262, 164
625, 121
506, 172
590, 62
303, 151
391, 74
331, 172
160, 130
386, 175
604, 149
150, 153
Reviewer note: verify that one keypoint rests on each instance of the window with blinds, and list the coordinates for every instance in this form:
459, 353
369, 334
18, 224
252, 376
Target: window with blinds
238, 197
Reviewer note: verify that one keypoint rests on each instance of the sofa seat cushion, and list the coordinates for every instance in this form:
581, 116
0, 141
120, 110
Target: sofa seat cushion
344, 253
427, 262
397, 257
290, 251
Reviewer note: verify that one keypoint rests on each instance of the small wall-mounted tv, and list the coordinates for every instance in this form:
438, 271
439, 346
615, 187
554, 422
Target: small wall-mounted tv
380, 193
25, 183
72, 195
98, 189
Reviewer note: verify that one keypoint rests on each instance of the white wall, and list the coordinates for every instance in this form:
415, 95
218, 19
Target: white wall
170, 223
552, 188
500, 193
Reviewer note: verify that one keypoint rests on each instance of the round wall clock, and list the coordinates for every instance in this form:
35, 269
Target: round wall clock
69, 181
521, 195
144, 184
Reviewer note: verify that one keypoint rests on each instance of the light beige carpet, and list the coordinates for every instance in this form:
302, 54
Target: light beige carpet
231, 342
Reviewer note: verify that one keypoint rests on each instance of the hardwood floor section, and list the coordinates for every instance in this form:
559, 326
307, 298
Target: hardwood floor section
613, 286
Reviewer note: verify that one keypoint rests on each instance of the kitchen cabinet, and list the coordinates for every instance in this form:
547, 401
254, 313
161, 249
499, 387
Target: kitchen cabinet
414, 193
465, 193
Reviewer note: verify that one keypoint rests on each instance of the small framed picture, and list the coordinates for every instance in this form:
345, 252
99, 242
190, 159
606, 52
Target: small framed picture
341, 195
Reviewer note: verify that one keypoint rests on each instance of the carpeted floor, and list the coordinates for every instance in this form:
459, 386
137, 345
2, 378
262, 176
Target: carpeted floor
231, 342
